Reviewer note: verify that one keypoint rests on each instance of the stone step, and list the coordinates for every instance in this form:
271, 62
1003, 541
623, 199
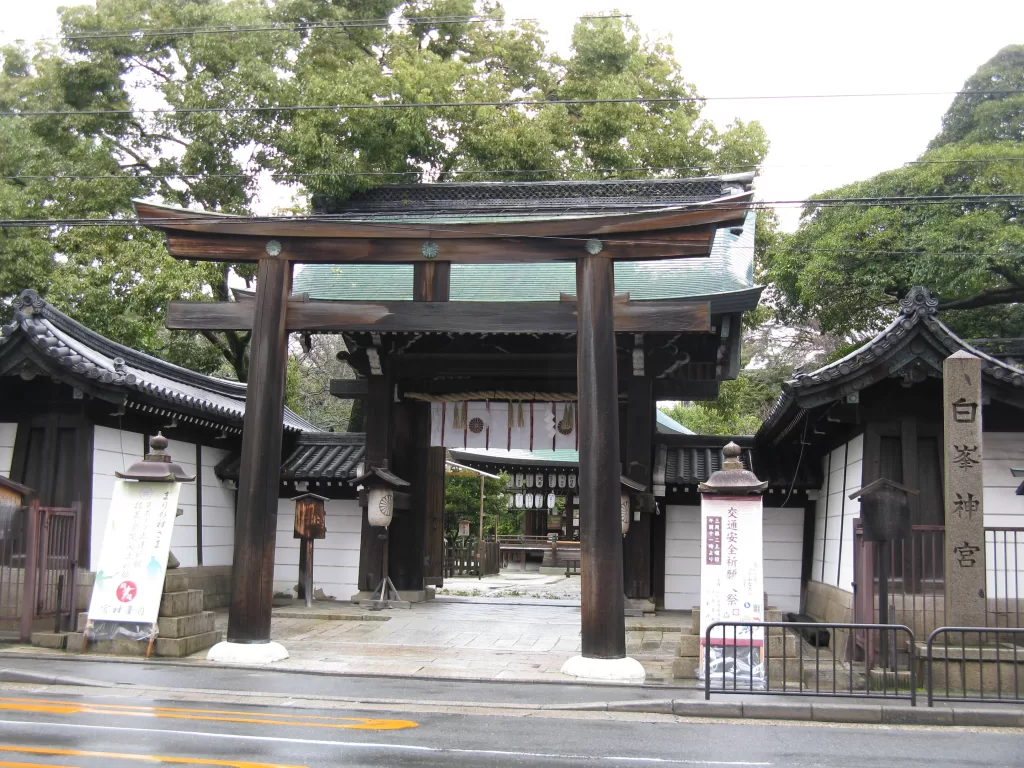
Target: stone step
175, 581
181, 603
183, 626
184, 646
685, 667
57, 640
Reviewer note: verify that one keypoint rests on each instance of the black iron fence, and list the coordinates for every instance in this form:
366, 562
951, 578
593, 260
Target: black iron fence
801, 659
974, 664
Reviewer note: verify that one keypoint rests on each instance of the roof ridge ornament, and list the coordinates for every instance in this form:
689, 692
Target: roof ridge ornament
919, 302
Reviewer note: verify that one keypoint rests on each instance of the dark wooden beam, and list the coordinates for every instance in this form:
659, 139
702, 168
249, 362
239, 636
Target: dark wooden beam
432, 281
198, 246
655, 225
348, 389
673, 389
603, 626
639, 427
443, 316
252, 577
379, 441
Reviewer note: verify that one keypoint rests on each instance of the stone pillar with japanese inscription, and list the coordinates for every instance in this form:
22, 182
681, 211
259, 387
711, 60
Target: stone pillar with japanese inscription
965, 526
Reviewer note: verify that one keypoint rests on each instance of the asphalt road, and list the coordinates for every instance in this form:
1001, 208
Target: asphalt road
291, 683
105, 731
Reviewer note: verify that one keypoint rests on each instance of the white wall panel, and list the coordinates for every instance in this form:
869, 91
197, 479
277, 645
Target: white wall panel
7, 434
335, 558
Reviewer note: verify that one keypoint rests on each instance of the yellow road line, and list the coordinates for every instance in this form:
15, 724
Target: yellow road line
210, 715
128, 756
11, 764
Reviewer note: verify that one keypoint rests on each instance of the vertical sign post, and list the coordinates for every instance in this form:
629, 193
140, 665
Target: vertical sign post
732, 572
964, 488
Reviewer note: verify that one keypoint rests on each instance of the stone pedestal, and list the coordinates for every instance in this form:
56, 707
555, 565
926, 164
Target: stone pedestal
183, 627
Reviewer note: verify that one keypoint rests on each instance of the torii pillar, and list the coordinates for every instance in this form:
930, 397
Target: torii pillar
252, 584
603, 622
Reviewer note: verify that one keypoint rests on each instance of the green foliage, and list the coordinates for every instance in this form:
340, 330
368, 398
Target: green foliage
741, 406
118, 281
462, 502
847, 265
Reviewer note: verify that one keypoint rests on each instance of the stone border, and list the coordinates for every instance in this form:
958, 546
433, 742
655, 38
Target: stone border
883, 714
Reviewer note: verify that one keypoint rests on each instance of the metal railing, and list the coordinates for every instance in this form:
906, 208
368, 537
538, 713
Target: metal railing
971, 652
800, 659
1004, 556
916, 585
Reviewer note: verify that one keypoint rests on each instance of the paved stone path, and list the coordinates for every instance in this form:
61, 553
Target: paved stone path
491, 639
513, 584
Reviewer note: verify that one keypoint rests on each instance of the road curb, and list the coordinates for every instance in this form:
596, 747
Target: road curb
828, 713
21, 676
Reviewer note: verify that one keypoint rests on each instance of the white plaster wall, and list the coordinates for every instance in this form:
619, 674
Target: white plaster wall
7, 434
113, 450
834, 514
783, 547
183, 539
1003, 509
116, 450
335, 558
218, 512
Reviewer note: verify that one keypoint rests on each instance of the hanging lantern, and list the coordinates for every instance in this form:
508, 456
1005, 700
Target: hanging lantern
561, 481
529, 481
551, 501
552, 480
519, 480
572, 481
538, 501
624, 509
519, 501
380, 485
540, 480
381, 505
529, 500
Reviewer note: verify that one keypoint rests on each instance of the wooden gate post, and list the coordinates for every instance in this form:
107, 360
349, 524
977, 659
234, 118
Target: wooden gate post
28, 599
603, 622
252, 573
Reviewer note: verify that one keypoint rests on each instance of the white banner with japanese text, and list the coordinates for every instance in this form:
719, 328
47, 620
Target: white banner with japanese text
133, 558
503, 425
731, 567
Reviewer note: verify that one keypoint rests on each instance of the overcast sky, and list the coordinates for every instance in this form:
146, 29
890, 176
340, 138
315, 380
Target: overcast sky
784, 47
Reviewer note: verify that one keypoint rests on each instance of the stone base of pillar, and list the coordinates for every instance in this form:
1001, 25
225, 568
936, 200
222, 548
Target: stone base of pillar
407, 595
226, 652
624, 670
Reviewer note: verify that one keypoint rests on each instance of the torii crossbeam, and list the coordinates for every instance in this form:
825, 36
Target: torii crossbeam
594, 242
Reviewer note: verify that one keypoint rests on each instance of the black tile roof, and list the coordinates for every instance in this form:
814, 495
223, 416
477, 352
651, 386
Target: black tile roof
913, 348
43, 338
568, 197
330, 456
687, 460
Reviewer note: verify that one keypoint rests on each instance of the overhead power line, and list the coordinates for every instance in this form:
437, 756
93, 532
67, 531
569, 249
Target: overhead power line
143, 174
474, 104
891, 202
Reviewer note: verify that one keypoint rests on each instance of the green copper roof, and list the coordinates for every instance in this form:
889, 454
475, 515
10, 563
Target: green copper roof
668, 426
729, 269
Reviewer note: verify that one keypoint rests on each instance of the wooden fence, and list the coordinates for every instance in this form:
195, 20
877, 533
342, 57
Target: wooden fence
464, 559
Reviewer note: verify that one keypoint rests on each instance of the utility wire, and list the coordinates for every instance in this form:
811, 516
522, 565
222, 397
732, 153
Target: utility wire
142, 175
440, 226
474, 104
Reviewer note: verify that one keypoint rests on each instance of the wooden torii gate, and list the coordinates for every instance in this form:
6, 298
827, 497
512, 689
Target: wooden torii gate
593, 242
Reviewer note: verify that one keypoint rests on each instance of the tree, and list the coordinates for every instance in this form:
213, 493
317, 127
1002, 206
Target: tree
848, 264
462, 501
302, 53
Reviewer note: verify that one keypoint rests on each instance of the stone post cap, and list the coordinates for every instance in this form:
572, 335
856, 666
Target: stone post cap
733, 478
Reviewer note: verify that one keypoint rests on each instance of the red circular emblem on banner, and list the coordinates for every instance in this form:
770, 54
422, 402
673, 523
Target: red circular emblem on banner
126, 591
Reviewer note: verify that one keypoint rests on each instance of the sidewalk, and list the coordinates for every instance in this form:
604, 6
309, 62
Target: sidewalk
495, 638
